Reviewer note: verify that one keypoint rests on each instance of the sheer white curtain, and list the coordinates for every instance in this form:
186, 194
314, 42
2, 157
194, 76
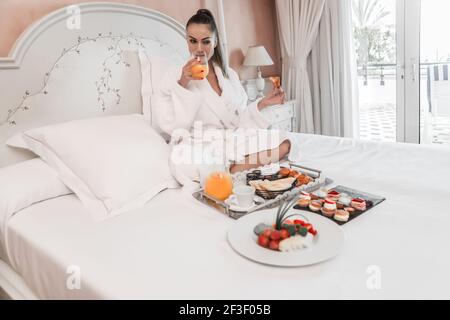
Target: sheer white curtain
298, 24
332, 68
319, 68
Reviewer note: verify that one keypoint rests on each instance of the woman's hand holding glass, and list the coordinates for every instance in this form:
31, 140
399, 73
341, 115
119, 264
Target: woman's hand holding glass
195, 69
275, 97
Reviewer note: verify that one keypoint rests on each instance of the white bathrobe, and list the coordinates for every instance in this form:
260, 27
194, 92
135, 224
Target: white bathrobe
209, 131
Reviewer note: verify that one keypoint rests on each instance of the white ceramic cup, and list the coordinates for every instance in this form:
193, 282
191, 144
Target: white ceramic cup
244, 195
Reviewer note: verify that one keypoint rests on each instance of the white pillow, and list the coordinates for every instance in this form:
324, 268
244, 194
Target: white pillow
113, 164
24, 184
154, 69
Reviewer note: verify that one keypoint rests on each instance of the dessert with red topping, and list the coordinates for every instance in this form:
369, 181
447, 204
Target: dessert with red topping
333, 195
359, 204
305, 199
329, 208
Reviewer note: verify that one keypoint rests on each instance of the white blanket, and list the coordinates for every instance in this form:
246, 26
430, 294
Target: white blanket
177, 248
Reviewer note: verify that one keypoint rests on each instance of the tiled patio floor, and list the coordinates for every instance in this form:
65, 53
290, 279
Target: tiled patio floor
379, 124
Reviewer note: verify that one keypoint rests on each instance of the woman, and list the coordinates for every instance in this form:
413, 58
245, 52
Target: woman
209, 118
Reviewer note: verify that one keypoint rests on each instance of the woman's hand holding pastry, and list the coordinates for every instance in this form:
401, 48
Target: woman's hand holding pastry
186, 74
277, 96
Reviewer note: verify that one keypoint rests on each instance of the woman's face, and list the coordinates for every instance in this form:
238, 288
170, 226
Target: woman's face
201, 38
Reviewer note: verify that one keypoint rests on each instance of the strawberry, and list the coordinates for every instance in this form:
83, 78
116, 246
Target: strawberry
284, 234
308, 226
274, 245
267, 233
263, 241
313, 232
275, 235
300, 222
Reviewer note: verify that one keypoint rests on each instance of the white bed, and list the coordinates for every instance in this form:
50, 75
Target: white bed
175, 247
406, 237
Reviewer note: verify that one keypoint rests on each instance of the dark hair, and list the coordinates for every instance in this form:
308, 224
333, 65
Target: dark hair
204, 16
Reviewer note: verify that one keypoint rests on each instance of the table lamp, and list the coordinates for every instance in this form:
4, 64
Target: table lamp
257, 56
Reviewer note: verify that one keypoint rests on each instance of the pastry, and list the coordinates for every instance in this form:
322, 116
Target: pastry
333, 195
329, 208
315, 206
304, 200
359, 204
284, 172
294, 174
350, 210
303, 179
342, 215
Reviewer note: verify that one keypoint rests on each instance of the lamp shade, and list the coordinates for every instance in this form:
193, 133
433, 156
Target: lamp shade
257, 56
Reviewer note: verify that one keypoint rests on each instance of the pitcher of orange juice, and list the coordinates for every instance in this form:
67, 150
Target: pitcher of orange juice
201, 69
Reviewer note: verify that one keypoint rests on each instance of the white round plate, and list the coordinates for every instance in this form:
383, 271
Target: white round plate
327, 244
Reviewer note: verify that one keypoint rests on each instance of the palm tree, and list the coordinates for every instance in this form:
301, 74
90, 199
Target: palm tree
368, 13
372, 43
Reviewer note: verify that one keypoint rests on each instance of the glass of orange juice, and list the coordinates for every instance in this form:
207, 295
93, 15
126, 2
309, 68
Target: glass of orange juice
201, 69
219, 185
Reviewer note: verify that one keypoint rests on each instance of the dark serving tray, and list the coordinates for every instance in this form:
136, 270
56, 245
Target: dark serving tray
372, 201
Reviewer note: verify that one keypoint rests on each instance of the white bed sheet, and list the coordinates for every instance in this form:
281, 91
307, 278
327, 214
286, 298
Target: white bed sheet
176, 248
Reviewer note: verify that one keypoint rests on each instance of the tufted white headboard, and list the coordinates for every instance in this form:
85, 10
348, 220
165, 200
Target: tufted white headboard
68, 66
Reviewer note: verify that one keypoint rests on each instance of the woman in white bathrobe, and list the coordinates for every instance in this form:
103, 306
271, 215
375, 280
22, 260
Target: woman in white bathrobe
209, 120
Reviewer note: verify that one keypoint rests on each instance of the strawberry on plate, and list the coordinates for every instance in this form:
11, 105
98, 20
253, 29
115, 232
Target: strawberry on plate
284, 234
263, 241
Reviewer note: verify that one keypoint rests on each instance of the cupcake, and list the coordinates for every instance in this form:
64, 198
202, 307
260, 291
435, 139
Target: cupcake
342, 216
329, 208
333, 195
305, 199
315, 206
359, 204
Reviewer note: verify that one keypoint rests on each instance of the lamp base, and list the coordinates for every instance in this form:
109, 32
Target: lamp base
260, 84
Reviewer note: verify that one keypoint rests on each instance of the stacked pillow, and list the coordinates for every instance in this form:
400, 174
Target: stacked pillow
113, 164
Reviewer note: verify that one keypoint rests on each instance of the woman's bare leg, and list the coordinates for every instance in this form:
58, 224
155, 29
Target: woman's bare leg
262, 158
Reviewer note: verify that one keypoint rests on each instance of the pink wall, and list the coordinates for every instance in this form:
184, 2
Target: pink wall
252, 22
248, 22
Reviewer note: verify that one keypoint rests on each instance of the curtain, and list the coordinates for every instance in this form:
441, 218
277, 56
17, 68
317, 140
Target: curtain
332, 68
298, 24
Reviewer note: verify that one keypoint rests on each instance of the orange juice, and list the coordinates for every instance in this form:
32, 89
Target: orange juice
276, 82
200, 71
219, 185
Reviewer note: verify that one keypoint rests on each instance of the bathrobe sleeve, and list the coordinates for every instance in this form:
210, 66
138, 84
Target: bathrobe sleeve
249, 115
175, 106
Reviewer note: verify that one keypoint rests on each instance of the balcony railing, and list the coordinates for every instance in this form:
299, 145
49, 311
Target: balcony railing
383, 71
